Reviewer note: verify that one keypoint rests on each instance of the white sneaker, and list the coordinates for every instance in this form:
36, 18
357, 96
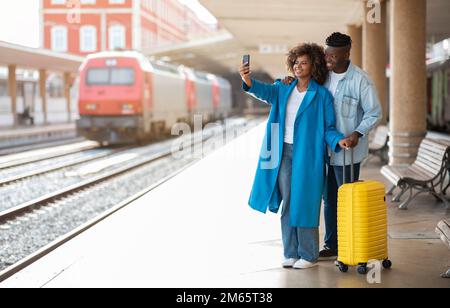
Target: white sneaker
289, 262
303, 264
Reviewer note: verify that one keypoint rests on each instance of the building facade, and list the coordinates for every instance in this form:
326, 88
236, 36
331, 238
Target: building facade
86, 26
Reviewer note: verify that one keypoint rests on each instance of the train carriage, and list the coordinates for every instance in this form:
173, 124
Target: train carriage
126, 98
224, 98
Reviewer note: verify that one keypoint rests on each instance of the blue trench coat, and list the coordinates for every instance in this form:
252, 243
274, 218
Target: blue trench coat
314, 128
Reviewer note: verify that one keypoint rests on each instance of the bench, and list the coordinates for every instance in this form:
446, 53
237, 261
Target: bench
427, 174
443, 229
378, 146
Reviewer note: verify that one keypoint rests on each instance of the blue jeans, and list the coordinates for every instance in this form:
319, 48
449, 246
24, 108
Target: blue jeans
298, 243
334, 181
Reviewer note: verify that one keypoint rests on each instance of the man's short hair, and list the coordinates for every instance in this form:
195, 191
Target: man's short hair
338, 39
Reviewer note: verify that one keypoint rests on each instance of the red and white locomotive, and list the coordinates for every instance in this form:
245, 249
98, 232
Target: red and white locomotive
124, 97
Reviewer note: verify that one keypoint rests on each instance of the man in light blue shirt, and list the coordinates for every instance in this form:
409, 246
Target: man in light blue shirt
358, 111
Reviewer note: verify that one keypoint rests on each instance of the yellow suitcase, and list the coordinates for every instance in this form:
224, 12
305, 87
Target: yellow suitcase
362, 224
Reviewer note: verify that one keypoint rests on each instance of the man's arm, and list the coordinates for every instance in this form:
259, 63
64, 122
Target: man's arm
372, 112
371, 107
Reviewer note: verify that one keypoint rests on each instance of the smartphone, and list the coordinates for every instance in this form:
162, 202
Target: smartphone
246, 60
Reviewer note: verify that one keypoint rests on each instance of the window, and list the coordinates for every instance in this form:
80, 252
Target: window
59, 38
98, 76
110, 76
148, 38
201, 76
116, 37
88, 39
155, 6
3, 88
116, 1
122, 76
64, 2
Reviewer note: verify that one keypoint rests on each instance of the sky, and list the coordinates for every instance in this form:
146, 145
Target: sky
19, 20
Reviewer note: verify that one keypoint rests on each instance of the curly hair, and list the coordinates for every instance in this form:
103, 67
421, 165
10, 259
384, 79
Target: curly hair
317, 56
338, 39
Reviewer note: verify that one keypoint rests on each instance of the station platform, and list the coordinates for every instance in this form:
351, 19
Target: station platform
23, 135
196, 230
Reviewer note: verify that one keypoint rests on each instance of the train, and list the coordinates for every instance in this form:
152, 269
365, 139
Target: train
124, 97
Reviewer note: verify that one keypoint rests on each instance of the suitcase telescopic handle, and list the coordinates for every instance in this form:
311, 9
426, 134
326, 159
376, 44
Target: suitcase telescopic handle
352, 172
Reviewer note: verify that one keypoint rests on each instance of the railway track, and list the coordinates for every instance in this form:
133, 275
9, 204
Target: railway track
8, 272
49, 201
46, 169
46, 199
33, 156
8, 150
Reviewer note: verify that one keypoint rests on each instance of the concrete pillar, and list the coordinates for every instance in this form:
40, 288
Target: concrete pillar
43, 92
355, 32
375, 50
12, 91
67, 86
408, 81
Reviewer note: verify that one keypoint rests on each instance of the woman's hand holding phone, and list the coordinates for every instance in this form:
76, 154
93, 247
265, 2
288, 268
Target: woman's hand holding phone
244, 71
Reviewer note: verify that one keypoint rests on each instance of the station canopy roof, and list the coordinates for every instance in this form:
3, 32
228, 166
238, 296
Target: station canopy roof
266, 29
34, 58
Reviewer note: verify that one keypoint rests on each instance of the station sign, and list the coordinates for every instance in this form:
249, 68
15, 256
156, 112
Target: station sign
273, 49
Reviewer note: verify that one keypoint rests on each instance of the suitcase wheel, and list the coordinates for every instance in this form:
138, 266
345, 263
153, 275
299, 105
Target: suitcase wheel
362, 269
343, 267
387, 264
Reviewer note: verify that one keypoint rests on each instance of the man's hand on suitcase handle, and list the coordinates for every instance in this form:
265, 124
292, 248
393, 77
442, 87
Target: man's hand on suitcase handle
352, 140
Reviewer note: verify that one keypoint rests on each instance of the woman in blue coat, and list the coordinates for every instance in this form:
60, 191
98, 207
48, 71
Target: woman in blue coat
291, 166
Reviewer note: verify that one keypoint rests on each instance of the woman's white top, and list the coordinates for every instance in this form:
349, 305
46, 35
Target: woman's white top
295, 100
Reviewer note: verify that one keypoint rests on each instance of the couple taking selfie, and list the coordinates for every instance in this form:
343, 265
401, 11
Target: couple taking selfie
329, 106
